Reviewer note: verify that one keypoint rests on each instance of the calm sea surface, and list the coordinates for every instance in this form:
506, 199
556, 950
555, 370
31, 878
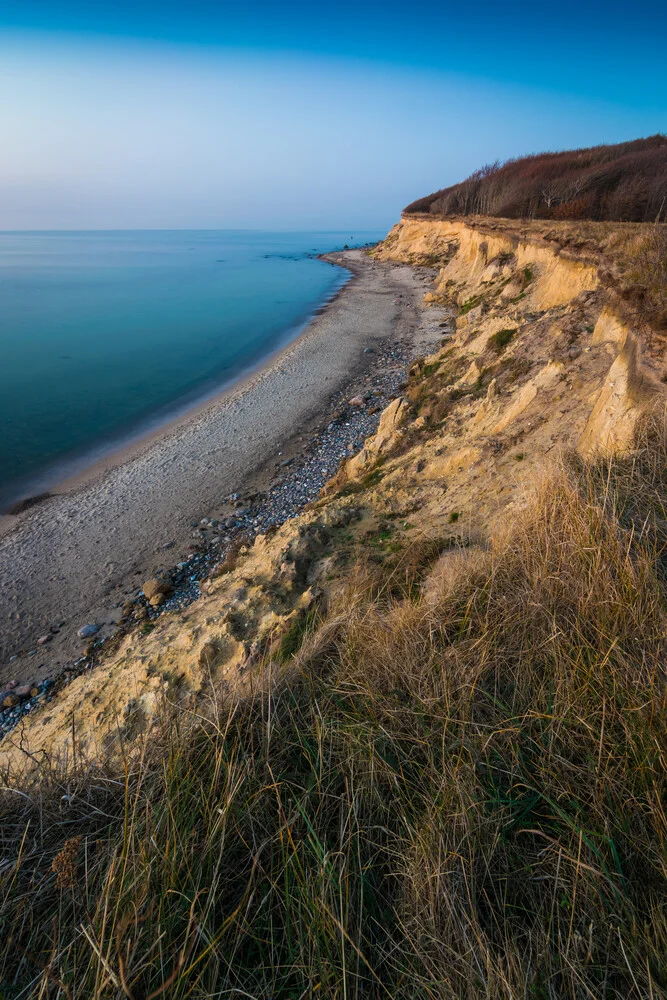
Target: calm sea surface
105, 334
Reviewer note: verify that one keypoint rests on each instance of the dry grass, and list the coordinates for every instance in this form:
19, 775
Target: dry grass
648, 268
455, 796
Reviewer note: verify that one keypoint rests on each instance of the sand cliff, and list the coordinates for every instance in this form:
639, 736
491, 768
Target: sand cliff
541, 354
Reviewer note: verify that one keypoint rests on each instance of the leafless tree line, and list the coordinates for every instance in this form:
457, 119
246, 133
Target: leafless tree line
625, 182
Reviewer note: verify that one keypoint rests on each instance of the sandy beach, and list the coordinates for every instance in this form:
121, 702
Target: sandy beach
74, 558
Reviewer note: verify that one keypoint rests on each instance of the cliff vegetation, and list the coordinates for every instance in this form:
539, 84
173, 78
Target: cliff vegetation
626, 182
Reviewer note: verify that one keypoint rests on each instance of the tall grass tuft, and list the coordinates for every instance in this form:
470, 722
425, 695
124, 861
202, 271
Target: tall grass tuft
459, 795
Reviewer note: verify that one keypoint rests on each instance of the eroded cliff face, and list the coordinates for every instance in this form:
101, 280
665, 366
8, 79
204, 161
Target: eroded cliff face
539, 355
507, 277
477, 259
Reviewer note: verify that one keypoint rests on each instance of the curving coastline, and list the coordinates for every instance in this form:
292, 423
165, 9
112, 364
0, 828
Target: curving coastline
86, 463
79, 554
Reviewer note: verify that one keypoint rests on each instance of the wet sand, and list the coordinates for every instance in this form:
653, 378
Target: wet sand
75, 557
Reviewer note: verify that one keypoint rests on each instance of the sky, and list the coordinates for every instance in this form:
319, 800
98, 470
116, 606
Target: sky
276, 116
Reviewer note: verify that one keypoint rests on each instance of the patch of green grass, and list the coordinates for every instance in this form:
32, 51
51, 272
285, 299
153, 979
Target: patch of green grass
470, 303
515, 368
292, 639
383, 540
454, 516
351, 488
427, 370
519, 457
373, 478
499, 340
482, 379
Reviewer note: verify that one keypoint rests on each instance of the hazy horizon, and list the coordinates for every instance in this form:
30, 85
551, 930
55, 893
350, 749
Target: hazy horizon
150, 116
182, 229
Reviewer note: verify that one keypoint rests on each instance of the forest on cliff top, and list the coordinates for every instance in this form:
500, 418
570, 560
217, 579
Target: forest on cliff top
626, 182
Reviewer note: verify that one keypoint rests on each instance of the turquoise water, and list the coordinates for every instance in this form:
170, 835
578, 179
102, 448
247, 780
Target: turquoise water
104, 334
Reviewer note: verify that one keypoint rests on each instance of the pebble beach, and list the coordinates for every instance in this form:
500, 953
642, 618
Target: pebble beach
72, 567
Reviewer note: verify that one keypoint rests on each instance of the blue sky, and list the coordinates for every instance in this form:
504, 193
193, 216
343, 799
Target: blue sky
205, 114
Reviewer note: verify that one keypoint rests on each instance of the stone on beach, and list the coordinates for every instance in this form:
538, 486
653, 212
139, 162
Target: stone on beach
156, 586
88, 630
356, 401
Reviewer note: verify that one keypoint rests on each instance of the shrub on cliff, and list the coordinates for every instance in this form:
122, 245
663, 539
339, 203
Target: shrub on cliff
648, 269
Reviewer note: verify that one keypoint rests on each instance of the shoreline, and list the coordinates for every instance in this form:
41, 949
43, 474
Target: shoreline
84, 551
85, 467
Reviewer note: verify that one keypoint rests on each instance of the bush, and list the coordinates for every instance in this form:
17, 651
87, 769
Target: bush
649, 271
499, 340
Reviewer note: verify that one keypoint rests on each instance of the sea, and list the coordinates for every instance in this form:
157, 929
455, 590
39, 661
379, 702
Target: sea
104, 336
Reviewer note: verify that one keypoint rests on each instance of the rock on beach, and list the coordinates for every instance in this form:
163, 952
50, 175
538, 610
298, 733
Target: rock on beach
156, 587
88, 630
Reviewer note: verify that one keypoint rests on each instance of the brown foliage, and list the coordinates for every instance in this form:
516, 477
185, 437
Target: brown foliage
649, 271
64, 863
626, 182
